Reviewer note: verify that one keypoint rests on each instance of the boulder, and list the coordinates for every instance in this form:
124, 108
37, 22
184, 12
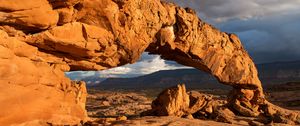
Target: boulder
173, 101
198, 101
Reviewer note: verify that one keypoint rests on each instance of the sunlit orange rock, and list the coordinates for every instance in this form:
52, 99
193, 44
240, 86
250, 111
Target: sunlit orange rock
42, 39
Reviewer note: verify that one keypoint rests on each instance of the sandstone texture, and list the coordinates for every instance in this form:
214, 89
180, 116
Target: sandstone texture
42, 39
171, 102
169, 121
101, 104
175, 101
35, 90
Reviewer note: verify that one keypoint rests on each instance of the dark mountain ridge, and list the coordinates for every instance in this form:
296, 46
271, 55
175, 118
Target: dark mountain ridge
269, 73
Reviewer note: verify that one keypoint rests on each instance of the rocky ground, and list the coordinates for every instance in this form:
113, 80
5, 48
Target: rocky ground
121, 108
285, 95
167, 121
116, 104
124, 108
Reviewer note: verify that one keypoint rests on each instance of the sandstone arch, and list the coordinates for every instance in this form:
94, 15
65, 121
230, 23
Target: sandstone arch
41, 39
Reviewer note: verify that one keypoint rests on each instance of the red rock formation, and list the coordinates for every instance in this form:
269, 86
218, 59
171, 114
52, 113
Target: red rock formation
171, 102
175, 101
32, 89
41, 39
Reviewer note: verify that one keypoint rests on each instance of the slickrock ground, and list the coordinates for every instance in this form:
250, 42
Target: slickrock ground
42, 39
175, 101
168, 121
114, 104
108, 107
203, 109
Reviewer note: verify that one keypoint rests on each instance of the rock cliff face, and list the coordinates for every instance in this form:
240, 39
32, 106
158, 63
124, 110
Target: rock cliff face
41, 39
32, 89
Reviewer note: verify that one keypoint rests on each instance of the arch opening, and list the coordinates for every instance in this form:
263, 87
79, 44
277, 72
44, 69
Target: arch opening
104, 34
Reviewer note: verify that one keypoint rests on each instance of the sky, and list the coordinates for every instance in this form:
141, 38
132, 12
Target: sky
268, 29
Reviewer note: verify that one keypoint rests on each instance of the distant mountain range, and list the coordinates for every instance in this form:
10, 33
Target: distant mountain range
269, 73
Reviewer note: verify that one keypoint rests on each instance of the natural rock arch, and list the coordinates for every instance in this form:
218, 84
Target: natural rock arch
42, 39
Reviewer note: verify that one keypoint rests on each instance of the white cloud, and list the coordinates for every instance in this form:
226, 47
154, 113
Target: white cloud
146, 65
149, 65
117, 70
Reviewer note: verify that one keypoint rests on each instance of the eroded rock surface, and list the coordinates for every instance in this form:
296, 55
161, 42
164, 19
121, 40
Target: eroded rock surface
101, 104
41, 39
31, 89
171, 102
175, 101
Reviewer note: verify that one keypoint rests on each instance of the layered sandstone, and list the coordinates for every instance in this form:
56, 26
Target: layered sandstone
41, 39
35, 90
